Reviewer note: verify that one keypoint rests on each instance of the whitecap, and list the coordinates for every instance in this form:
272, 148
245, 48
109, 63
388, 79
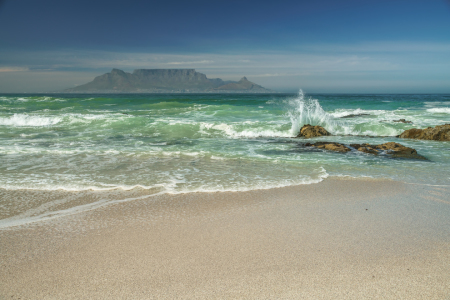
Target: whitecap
229, 131
339, 113
20, 120
440, 110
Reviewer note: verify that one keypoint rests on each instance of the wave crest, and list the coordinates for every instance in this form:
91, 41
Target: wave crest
19, 120
439, 110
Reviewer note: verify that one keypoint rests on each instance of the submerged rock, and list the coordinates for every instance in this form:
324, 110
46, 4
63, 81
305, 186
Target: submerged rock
438, 133
354, 115
402, 121
309, 131
366, 148
330, 146
392, 149
398, 150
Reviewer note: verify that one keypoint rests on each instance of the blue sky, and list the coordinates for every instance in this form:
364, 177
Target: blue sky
320, 46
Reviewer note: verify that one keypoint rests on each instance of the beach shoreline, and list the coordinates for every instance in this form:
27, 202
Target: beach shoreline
342, 238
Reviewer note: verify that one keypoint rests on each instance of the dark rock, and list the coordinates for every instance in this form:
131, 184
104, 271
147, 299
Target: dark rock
366, 148
354, 115
392, 149
309, 131
330, 146
402, 121
398, 150
438, 133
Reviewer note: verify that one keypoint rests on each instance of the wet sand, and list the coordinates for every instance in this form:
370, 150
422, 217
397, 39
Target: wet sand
339, 239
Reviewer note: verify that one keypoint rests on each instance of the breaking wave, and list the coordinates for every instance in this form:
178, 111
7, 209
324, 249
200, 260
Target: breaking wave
339, 113
232, 132
439, 110
22, 120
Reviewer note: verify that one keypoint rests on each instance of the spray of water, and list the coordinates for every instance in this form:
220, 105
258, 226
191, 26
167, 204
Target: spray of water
308, 111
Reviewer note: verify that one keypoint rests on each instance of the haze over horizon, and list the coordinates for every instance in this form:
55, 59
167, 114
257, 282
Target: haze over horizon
321, 47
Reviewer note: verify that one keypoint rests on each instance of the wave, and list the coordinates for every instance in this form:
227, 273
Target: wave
26, 120
439, 110
31, 99
230, 131
339, 113
29, 121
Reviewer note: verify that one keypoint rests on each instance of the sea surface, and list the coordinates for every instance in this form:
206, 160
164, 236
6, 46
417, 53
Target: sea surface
178, 143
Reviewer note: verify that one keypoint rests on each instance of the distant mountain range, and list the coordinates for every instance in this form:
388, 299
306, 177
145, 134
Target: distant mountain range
165, 81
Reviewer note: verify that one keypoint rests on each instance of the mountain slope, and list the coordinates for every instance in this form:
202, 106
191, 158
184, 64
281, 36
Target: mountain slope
242, 85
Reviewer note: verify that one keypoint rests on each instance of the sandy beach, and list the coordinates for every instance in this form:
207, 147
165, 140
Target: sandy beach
339, 239
224, 150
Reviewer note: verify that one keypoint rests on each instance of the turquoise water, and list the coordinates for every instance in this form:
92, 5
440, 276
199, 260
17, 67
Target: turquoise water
210, 142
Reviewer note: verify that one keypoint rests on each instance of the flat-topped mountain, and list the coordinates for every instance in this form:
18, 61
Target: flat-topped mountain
164, 81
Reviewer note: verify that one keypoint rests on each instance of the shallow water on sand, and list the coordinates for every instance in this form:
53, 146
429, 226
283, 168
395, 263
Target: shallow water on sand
184, 143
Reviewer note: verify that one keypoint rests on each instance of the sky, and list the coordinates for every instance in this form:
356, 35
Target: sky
322, 46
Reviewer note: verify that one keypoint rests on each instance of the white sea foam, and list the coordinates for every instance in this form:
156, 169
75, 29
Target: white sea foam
87, 118
94, 117
439, 110
260, 133
436, 103
230, 131
18, 120
339, 113
7, 99
382, 131
217, 157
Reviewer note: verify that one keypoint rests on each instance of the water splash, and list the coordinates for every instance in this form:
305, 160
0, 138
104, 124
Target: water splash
308, 111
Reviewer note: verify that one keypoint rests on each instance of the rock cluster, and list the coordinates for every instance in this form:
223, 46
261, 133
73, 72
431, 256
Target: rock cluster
366, 148
309, 131
329, 146
438, 133
392, 149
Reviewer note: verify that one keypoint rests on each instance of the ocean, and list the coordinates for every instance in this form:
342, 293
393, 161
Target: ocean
178, 143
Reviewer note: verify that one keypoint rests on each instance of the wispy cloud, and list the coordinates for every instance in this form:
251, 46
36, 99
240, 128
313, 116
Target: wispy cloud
383, 56
13, 69
190, 62
377, 47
